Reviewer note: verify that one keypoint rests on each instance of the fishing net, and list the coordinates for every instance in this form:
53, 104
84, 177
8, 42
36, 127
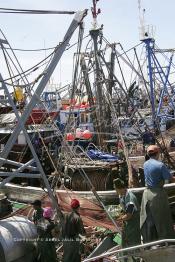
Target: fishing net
92, 213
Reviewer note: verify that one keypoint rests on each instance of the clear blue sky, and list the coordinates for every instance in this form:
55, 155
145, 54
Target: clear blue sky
120, 19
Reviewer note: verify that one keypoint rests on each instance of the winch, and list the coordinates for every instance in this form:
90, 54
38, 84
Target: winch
17, 239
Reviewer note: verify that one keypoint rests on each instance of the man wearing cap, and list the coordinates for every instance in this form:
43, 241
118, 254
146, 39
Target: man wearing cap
38, 211
5, 206
154, 223
72, 229
148, 138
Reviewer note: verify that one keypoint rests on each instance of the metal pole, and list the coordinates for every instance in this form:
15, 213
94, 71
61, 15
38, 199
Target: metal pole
99, 200
110, 85
7, 161
14, 174
164, 85
123, 250
11, 175
95, 34
149, 42
163, 73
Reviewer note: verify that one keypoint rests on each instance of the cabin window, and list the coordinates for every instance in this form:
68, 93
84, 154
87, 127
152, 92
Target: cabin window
74, 118
82, 118
87, 118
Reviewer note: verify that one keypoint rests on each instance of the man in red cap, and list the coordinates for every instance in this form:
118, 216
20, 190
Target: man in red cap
75, 203
72, 229
154, 223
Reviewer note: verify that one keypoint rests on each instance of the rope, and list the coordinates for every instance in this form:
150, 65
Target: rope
43, 49
35, 67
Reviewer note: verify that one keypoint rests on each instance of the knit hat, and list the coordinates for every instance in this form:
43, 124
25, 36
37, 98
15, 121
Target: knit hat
37, 202
48, 212
75, 203
118, 183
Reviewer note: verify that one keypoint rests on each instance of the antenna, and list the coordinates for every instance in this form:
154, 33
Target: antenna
95, 13
146, 31
141, 19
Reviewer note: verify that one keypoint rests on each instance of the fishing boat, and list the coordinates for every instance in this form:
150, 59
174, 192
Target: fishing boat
82, 163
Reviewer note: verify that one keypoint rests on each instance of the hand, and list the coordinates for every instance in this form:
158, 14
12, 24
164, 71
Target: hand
89, 230
120, 223
119, 218
93, 189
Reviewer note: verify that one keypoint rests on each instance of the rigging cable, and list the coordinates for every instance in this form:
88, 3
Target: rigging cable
29, 94
121, 72
24, 78
34, 68
143, 78
44, 49
10, 71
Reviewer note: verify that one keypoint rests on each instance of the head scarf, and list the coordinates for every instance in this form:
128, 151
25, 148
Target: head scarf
48, 212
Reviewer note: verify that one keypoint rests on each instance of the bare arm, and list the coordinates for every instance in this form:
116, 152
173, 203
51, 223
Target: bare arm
125, 217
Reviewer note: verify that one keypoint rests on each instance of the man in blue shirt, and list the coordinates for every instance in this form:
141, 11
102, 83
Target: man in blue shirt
156, 173
154, 224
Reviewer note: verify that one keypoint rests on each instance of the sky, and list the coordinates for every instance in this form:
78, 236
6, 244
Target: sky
119, 17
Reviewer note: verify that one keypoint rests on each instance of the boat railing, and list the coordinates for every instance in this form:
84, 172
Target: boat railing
134, 250
72, 156
92, 145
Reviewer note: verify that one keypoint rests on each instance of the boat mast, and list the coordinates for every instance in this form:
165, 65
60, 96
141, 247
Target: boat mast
149, 44
90, 95
148, 40
111, 83
95, 34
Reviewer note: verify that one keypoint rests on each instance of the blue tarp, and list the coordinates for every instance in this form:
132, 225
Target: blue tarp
98, 155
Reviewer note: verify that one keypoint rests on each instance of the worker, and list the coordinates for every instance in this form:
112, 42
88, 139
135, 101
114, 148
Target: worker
155, 217
5, 206
38, 211
148, 138
72, 231
130, 215
45, 243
